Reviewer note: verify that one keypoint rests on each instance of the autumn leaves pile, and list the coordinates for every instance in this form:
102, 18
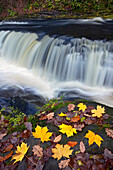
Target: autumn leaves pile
69, 123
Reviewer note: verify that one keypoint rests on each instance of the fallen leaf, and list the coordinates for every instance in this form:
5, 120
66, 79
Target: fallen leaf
71, 107
75, 119
8, 148
82, 107
1, 159
98, 112
63, 163
28, 126
60, 151
82, 147
8, 156
93, 138
21, 151
108, 154
2, 135
72, 144
48, 116
38, 151
88, 121
62, 114
68, 129
109, 132
42, 133
58, 138
79, 127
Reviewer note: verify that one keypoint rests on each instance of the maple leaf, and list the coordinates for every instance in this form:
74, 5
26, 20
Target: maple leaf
60, 151
38, 151
93, 138
48, 116
68, 129
82, 147
21, 151
98, 112
109, 132
82, 107
71, 107
64, 163
75, 119
58, 138
72, 143
42, 133
62, 114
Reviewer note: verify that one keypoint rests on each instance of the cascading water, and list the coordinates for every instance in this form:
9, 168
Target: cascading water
52, 64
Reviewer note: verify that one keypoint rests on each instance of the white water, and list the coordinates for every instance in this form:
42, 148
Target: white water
52, 65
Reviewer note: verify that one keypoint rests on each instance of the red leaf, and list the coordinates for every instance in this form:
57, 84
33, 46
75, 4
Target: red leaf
72, 144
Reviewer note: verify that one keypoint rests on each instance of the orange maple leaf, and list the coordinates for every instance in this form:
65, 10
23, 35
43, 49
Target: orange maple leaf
98, 112
93, 138
60, 151
42, 133
72, 143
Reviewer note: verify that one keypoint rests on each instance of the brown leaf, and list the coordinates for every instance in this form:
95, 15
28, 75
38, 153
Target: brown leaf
8, 148
38, 151
2, 135
108, 154
58, 138
75, 119
71, 107
28, 126
9, 155
109, 132
79, 127
88, 121
63, 163
72, 143
82, 147
48, 116
1, 159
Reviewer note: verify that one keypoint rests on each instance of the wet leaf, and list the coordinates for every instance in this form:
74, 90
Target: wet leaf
82, 107
21, 151
60, 151
2, 135
58, 138
71, 107
8, 148
63, 163
62, 114
28, 126
72, 143
109, 132
82, 119
82, 147
38, 151
93, 138
8, 156
75, 119
68, 129
108, 154
79, 127
1, 159
98, 112
42, 133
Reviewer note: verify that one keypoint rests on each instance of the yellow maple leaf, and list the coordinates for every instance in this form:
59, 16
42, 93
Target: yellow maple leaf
98, 112
82, 107
62, 114
60, 151
21, 151
68, 129
93, 138
42, 133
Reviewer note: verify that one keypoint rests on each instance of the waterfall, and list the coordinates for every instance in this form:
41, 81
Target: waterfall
59, 60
